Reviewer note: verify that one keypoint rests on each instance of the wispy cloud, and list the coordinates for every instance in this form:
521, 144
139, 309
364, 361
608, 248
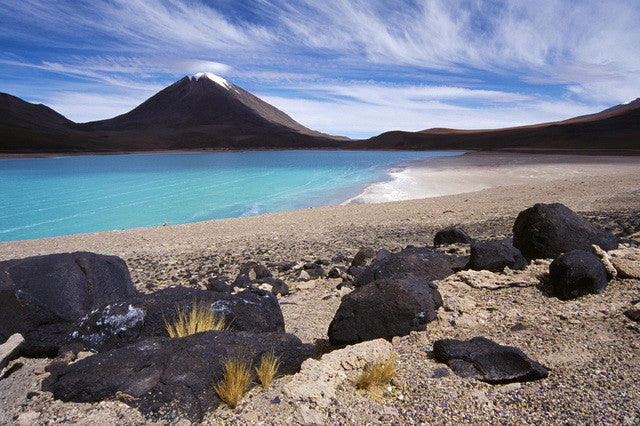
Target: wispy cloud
379, 63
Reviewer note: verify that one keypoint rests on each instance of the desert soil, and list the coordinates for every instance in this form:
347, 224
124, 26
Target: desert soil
590, 347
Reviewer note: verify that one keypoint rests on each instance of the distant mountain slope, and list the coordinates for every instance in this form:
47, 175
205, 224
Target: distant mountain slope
616, 128
16, 112
207, 112
198, 112
200, 100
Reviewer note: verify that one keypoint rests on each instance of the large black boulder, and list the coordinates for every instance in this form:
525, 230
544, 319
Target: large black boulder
494, 256
41, 297
121, 323
451, 235
169, 378
486, 360
545, 231
418, 262
384, 308
577, 273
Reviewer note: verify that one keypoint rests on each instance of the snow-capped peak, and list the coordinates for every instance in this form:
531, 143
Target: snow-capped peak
215, 78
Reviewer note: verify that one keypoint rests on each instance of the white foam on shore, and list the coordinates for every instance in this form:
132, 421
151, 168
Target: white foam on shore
415, 182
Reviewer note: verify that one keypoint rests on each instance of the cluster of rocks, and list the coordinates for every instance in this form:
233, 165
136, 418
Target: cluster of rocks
67, 304
64, 304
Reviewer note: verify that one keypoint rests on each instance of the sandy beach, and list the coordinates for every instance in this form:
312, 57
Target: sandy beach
591, 348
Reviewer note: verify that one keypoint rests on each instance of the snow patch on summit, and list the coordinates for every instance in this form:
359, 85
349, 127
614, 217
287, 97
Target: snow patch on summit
215, 78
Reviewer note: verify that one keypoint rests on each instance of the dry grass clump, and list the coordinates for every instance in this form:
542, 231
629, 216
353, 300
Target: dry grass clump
377, 374
268, 368
195, 320
235, 381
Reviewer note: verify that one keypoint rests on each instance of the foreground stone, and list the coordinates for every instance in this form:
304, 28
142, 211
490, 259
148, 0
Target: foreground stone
384, 309
411, 262
9, 349
494, 256
318, 380
41, 297
451, 235
627, 262
118, 324
577, 273
545, 231
488, 361
166, 378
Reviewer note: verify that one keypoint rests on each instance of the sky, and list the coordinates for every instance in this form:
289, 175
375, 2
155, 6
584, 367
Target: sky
346, 67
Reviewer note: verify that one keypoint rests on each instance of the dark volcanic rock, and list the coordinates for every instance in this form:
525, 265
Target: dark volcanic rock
577, 273
363, 257
219, 284
495, 256
410, 262
251, 272
451, 235
117, 324
545, 231
41, 297
384, 308
171, 378
488, 361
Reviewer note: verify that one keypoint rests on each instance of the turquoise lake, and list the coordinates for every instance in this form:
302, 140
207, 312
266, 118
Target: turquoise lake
46, 197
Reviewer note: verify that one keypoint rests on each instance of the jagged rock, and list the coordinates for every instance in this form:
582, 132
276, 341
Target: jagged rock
545, 231
627, 262
364, 257
318, 380
577, 273
169, 378
451, 235
493, 280
9, 349
494, 256
605, 258
276, 286
41, 297
410, 262
486, 360
118, 324
383, 309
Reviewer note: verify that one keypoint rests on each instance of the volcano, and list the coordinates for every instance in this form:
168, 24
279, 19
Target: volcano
203, 111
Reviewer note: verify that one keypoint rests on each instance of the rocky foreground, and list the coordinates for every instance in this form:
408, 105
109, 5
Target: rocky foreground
577, 341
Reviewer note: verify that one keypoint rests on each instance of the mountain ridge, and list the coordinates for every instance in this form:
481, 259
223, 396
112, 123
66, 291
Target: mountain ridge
206, 112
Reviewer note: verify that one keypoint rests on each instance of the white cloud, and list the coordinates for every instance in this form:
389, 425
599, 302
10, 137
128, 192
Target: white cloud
367, 110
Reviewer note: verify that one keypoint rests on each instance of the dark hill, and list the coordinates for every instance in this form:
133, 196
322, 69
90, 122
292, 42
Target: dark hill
198, 112
614, 129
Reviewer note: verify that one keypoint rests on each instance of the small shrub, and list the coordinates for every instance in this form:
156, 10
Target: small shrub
268, 368
235, 381
195, 320
377, 374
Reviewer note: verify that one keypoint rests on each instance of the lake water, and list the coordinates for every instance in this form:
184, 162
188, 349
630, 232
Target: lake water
46, 197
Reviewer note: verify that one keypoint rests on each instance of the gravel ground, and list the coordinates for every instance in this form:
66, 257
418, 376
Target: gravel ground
590, 347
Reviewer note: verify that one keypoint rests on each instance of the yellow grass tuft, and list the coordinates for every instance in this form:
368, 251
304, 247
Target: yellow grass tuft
195, 320
377, 374
235, 381
268, 368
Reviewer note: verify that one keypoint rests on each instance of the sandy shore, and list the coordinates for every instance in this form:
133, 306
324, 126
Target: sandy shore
589, 345
476, 171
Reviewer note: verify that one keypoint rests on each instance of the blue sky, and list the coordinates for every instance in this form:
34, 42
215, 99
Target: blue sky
348, 67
